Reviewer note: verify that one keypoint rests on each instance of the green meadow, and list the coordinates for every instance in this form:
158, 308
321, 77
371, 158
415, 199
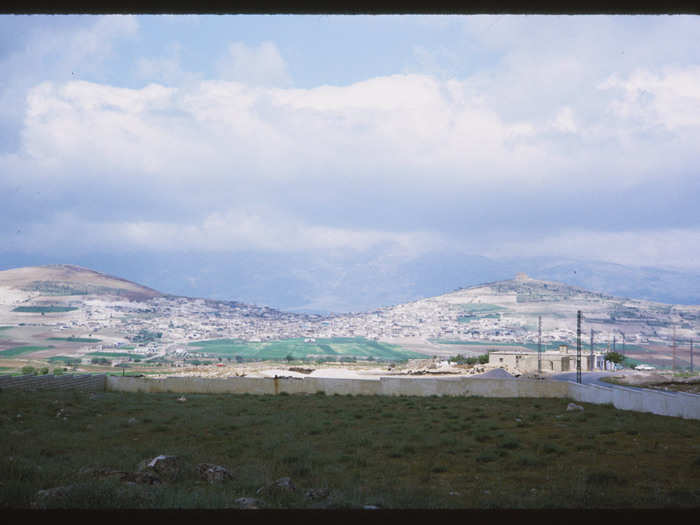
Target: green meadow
44, 309
19, 350
388, 452
75, 339
336, 347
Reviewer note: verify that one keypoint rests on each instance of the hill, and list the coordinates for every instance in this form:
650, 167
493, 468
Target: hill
65, 280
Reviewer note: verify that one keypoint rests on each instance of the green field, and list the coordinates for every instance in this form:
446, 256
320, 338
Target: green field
5, 328
390, 452
111, 354
44, 309
61, 359
335, 347
75, 339
19, 350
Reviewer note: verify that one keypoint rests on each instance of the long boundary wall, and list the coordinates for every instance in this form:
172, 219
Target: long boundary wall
310, 385
90, 383
677, 404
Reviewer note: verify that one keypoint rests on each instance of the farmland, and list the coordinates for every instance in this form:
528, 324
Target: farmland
75, 339
335, 347
19, 350
44, 309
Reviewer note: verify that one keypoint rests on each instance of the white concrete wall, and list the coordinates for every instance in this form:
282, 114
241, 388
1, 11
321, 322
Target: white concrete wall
656, 402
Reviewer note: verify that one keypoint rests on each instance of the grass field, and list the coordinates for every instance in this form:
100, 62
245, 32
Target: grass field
335, 347
392, 452
75, 339
5, 328
44, 309
19, 350
111, 354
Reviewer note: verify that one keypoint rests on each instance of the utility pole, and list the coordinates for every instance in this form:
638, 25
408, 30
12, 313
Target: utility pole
592, 365
691, 355
578, 347
623, 341
539, 344
674, 348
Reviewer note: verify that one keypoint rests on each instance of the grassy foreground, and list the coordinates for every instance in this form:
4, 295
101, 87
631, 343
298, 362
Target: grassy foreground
392, 452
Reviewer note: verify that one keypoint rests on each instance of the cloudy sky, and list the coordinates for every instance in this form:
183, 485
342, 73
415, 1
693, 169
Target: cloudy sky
502, 136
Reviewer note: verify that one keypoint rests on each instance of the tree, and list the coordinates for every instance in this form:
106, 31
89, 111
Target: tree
28, 370
289, 358
44, 371
614, 357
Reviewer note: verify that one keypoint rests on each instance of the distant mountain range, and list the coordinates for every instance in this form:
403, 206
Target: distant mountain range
361, 282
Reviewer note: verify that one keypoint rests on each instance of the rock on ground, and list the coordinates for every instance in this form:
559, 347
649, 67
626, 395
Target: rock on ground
572, 407
213, 473
279, 485
167, 467
249, 503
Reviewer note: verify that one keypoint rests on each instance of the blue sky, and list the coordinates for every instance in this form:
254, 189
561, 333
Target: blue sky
502, 136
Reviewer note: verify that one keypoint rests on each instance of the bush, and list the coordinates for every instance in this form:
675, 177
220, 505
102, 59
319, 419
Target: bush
614, 357
28, 371
44, 371
483, 359
58, 371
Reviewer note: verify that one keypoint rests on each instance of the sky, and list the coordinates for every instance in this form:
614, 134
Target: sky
500, 136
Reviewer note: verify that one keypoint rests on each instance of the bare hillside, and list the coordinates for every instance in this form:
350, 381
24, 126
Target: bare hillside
69, 280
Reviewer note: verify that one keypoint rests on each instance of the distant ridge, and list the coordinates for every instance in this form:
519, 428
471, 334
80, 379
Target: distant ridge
68, 279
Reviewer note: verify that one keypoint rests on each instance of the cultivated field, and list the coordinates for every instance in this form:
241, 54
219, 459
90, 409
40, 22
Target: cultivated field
388, 452
335, 347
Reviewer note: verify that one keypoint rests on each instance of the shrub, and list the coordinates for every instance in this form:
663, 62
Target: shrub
485, 457
28, 370
44, 370
510, 444
483, 359
604, 478
58, 371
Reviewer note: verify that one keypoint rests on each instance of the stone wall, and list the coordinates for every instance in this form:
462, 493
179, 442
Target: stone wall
663, 403
677, 404
89, 383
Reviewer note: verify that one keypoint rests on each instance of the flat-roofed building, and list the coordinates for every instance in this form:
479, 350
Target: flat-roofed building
552, 361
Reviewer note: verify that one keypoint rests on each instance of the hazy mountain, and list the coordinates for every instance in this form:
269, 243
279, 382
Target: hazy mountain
360, 282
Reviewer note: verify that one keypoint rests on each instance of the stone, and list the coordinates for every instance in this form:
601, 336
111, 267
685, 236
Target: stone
249, 503
46, 496
143, 478
182, 399
213, 473
572, 407
132, 421
279, 485
167, 467
316, 494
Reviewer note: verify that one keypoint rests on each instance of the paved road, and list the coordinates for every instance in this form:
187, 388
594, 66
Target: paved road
594, 378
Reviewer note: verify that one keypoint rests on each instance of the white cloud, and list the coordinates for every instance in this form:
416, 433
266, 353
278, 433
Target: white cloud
256, 66
249, 162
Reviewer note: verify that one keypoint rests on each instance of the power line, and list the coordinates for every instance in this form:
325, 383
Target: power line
578, 347
539, 344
